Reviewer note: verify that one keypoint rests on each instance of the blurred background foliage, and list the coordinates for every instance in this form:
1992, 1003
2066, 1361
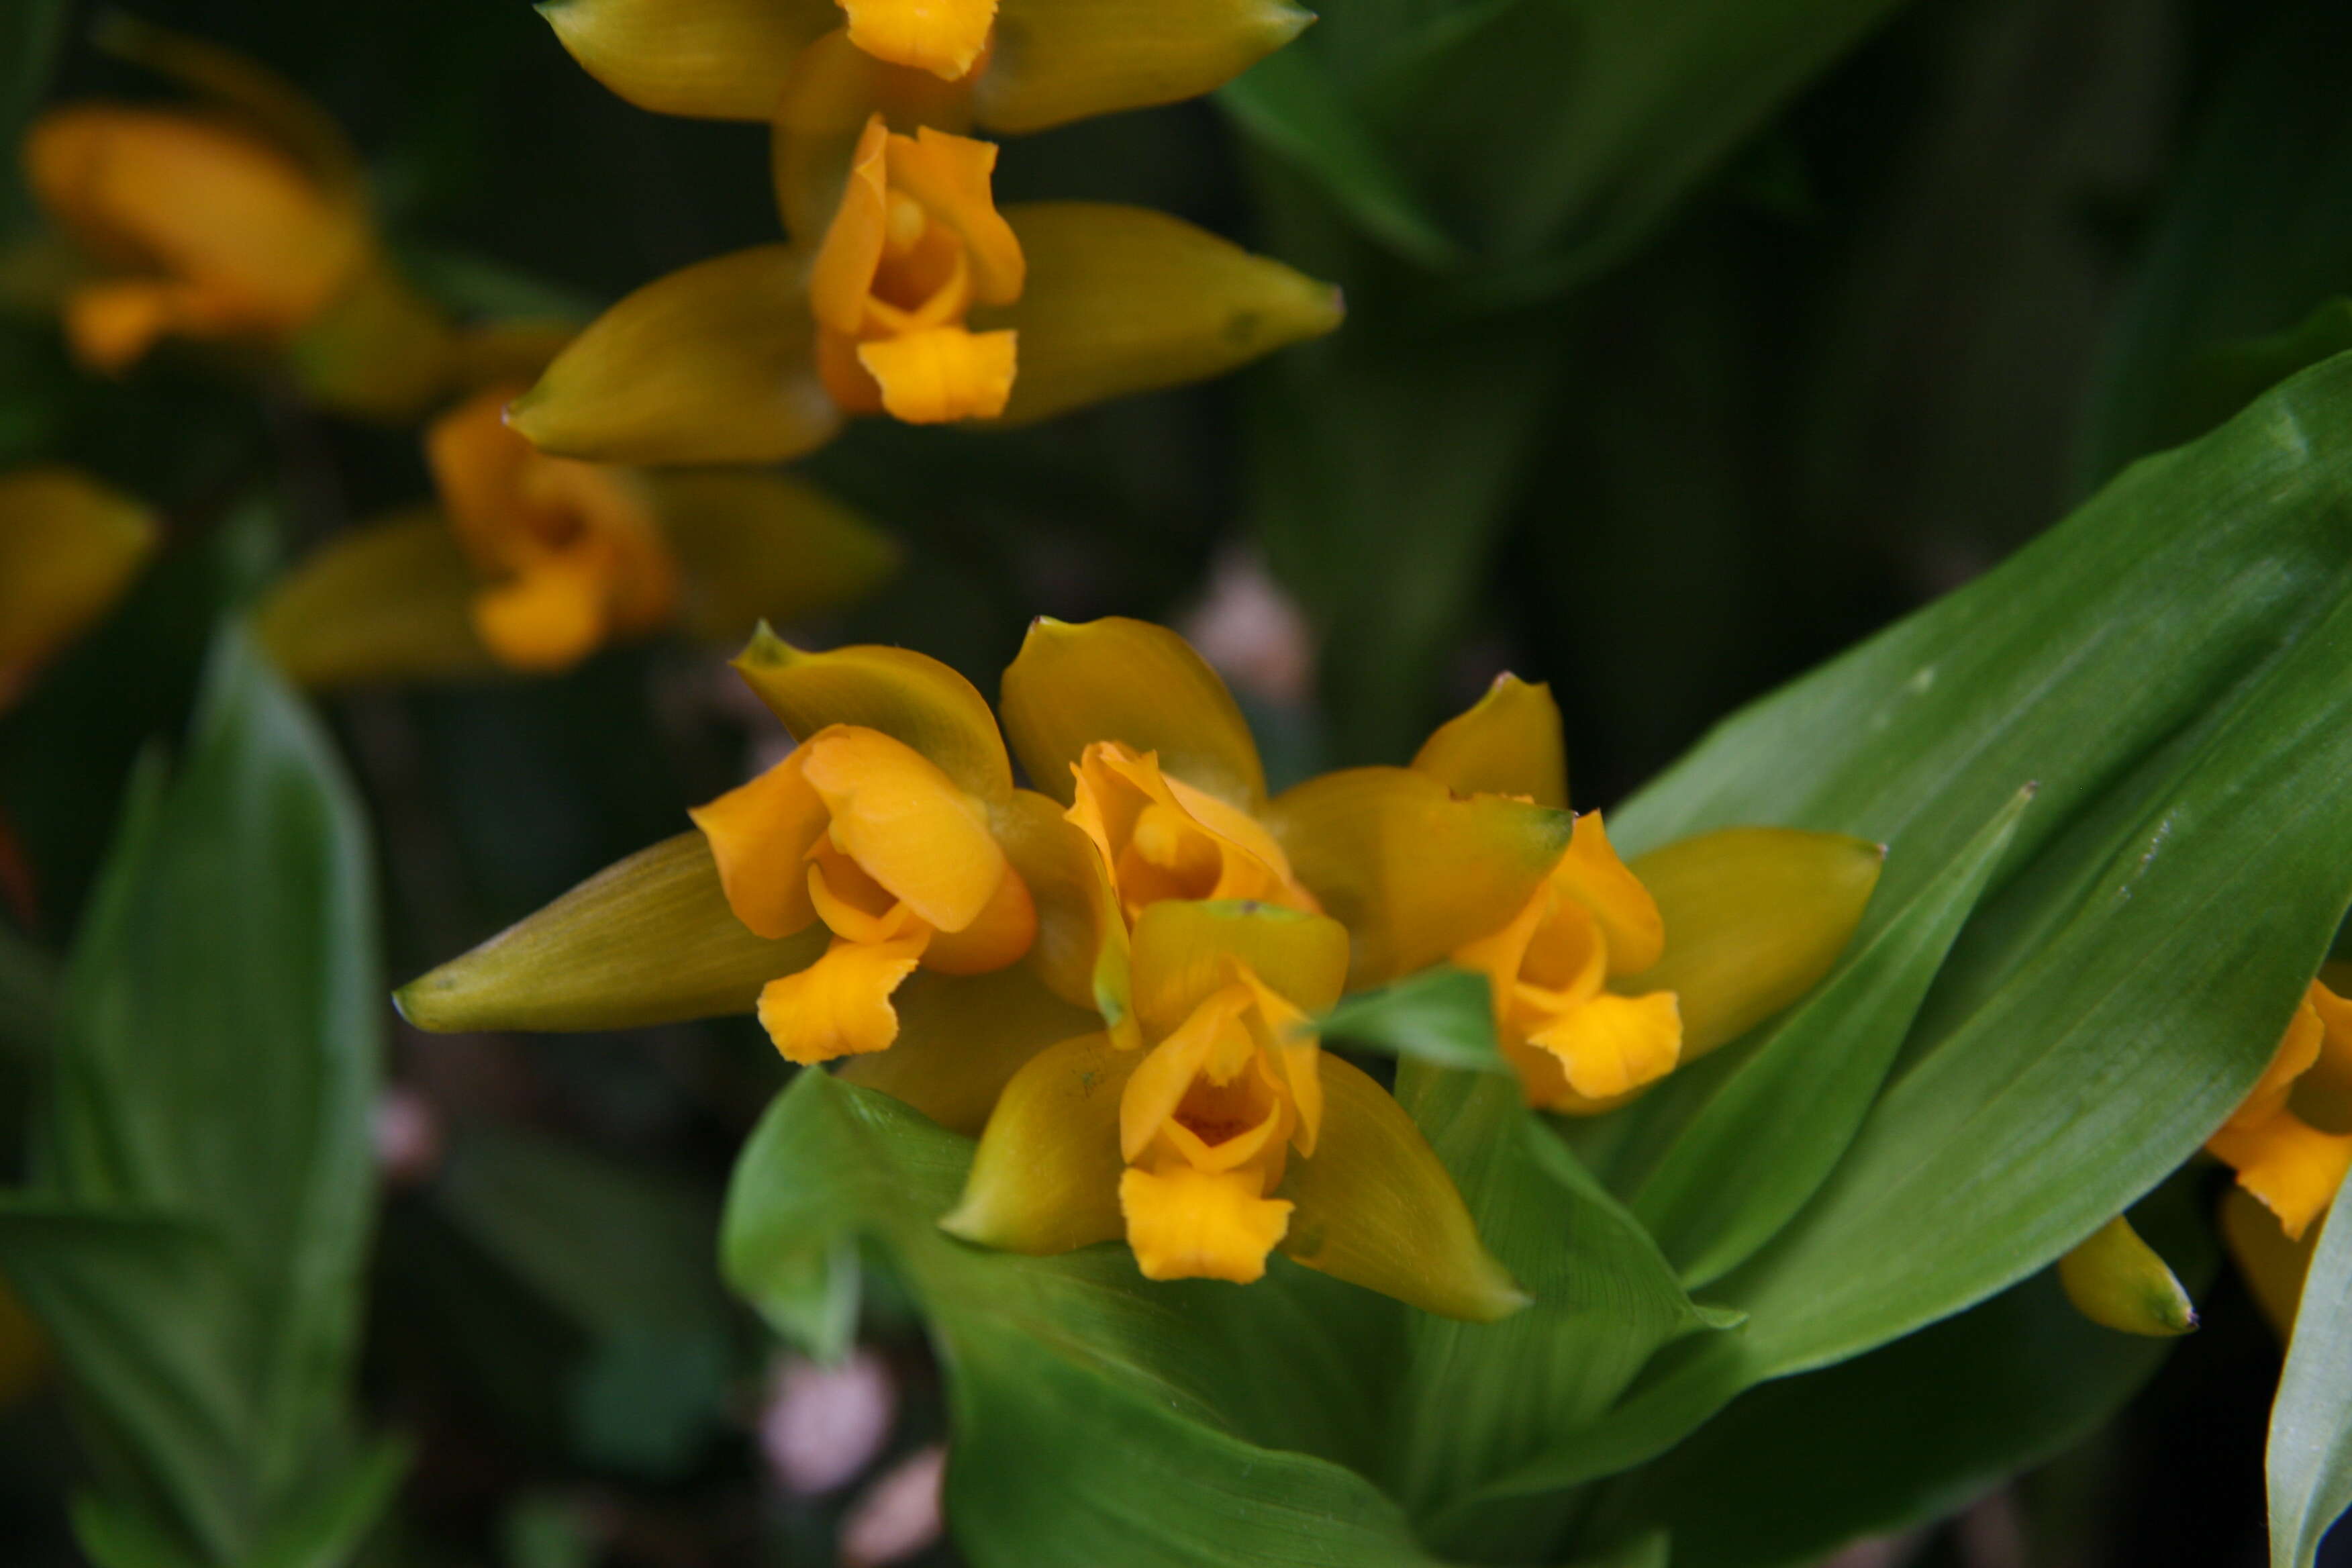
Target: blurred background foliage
1689, 341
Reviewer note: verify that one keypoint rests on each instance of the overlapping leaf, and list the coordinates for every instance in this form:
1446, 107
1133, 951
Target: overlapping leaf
206, 1146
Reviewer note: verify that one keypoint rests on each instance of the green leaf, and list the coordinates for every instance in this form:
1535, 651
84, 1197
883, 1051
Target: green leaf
1617, 111
1442, 1015
1905, 1434
206, 1138
2310, 1457
2174, 666
1099, 1417
1765, 1140
1289, 103
1476, 1400
2257, 234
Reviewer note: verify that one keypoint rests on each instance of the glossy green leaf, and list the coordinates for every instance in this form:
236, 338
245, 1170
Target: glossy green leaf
650, 940
2310, 1457
1771, 1131
2172, 665
1098, 1417
225, 977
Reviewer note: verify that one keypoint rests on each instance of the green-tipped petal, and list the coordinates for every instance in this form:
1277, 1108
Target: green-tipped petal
905, 695
1509, 742
1410, 868
391, 600
68, 547
1045, 1176
2118, 1281
1121, 679
647, 940
1082, 948
714, 363
714, 59
758, 546
1123, 299
1058, 60
1376, 1208
1180, 950
961, 1038
1754, 917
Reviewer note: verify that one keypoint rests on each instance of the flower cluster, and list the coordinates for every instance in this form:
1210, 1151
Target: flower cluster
903, 289
1116, 977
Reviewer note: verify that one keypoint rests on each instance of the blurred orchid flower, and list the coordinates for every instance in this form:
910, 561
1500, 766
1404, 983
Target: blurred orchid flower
240, 219
530, 563
69, 548
904, 291
1008, 66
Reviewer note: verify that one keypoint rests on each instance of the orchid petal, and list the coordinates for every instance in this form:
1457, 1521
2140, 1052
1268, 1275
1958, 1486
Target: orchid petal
1754, 917
1123, 299
1059, 60
1412, 871
1377, 1208
905, 695
714, 363
1128, 680
1045, 1176
650, 940
1508, 743
1186, 952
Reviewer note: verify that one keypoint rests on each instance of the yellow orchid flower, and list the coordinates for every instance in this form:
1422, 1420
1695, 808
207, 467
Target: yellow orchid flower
892, 842
69, 548
1126, 725
1009, 66
1604, 976
238, 220
904, 290
1230, 1135
530, 563
2280, 1158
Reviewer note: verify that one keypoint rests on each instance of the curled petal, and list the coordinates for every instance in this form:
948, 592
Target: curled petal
1059, 60
758, 546
906, 823
841, 1005
1128, 680
647, 940
69, 548
1185, 952
716, 60
905, 695
1507, 744
1412, 871
1045, 1176
715, 363
1123, 299
2293, 1167
759, 833
2118, 1281
1377, 1208
1754, 917
961, 1038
